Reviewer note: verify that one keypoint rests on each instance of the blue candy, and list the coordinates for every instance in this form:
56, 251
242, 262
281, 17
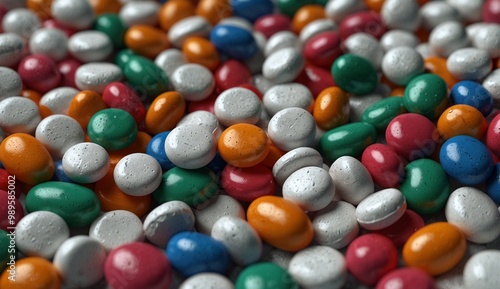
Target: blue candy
217, 164
191, 253
251, 10
59, 173
473, 94
466, 159
493, 185
234, 41
156, 149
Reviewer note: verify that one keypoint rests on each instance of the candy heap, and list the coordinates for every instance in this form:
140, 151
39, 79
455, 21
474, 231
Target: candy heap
249, 144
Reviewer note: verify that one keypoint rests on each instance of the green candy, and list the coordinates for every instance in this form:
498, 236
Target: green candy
123, 57
77, 205
145, 77
347, 140
193, 187
426, 94
354, 74
265, 275
7, 252
112, 128
381, 113
426, 186
111, 25
289, 7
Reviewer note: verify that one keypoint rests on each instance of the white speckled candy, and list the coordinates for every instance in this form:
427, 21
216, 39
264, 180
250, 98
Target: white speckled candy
167, 220
187, 27
401, 14
14, 48
194, 81
80, 261
85, 162
39, 234
291, 128
447, 37
469, 63
336, 225
381, 209
90, 46
169, 60
319, 267
207, 281
293, 160
397, 37
51, 42
11, 83
116, 228
358, 105
241, 240
481, 270
436, 12
237, 105
470, 10
97, 75
352, 180
338, 9
21, 21
238, 22
204, 119
19, 114
366, 46
222, 205
425, 50
311, 188
488, 38
316, 27
280, 40
58, 99
76, 14
190, 146
474, 213
401, 64
58, 133
140, 12
137, 174
287, 95
492, 84
283, 65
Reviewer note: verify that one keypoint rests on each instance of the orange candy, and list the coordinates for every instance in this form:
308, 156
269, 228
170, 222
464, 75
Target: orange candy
25, 157
84, 105
243, 145
165, 112
214, 10
462, 119
305, 15
281, 223
498, 63
374, 5
435, 248
331, 108
32, 94
105, 6
32, 273
398, 91
437, 65
202, 51
272, 157
146, 40
173, 11
40, 7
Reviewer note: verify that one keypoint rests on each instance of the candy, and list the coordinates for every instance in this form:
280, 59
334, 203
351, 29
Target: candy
354, 74
210, 280
336, 225
21, 115
173, 11
401, 14
397, 38
84, 105
283, 96
243, 145
347, 140
362, 21
381, 209
32, 271
298, 124
187, 27
90, 46
222, 205
403, 228
398, 72
283, 65
13, 83
85, 162
39, 72
448, 37
237, 105
57, 101
96, 76
7, 207
385, 166
436, 12
119, 95
247, 184
462, 119
13, 51
146, 40
480, 265
473, 94
265, 275
279, 40
74, 14
411, 278
426, 95
272, 23
115, 228
50, 42
113, 27
112, 128
144, 76
352, 181
462, 68
144, 12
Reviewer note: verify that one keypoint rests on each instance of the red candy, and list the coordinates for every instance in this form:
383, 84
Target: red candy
384, 165
247, 184
493, 135
365, 21
7, 179
371, 256
119, 95
207, 104
491, 11
407, 278
8, 202
316, 79
230, 74
323, 49
68, 68
400, 231
39, 72
272, 23
52, 23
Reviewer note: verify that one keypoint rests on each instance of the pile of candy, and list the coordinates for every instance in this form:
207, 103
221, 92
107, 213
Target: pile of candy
249, 144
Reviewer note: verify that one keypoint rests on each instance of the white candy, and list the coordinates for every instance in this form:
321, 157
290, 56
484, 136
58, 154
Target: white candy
240, 239
140, 12
208, 281
238, 22
214, 209
291, 128
97, 75
11, 83
194, 81
39, 234
169, 60
319, 267
474, 213
115, 228
19, 114
204, 119
280, 40
447, 37
58, 133
316, 27
358, 105
51, 42
470, 10
137, 174
14, 48
85, 162
401, 14
311, 188
425, 50
21, 21
488, 38
492, 85
80, 261
187, 27
481, 270
237, 105
469, 63
263, 84
276, 256
436, 12
293, 160
339, 9
190, 146
90, 46
58, 99
283, 65
366, 46
76, 14
397, 37
401, 64
352, 180
381, 209
336, 225
167, 220
287, 95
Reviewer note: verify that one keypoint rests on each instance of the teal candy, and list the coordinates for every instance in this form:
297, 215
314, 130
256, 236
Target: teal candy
112, 128
123, 57
144, 76
354, 74
265, 275
6, 250
382, 112
426, 94
111, 25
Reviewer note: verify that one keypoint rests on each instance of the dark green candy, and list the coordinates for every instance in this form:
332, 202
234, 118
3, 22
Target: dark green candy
265, 275
123, 57
112, 128
354, 74
111, 25
382, 112
426, 94
145, 77
7, 249
289, 7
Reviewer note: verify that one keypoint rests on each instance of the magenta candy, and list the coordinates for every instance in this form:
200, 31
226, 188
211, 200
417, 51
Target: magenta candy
138, 265
207, 104
371, 256
67, 68
493, 135
365, 21
6, 202
119, 95
400, 231
39, 72
384, 165
323, 49
491, 11
3, 11
248, 184
407, 278
272, 23
316, 79
230, 74
52, 23
412, 136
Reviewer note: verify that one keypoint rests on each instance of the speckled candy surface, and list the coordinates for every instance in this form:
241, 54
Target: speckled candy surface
116, 228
